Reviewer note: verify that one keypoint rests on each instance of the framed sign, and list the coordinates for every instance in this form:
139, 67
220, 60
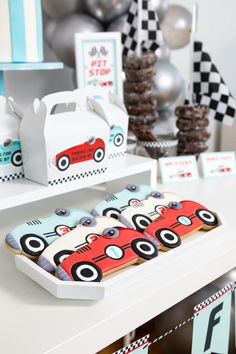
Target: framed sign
98, 60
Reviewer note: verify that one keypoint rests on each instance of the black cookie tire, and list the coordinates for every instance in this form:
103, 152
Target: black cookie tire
144, 248
86, 272
207, 217
168, 238
16, 158
63, 163
59, 257
33, 245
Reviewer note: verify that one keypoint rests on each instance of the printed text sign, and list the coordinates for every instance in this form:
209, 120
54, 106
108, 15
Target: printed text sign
178, 169
218, 164
212, 324
98, 60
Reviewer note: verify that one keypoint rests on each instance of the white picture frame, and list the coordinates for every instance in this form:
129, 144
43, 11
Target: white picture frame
99, 60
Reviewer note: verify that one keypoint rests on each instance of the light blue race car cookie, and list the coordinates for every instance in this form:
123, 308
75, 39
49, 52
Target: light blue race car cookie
32, 237
114, 204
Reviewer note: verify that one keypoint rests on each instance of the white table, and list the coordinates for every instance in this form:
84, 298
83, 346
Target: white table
33, 321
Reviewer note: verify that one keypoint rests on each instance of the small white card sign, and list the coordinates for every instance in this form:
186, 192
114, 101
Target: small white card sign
178, 169
218, 164
98, 60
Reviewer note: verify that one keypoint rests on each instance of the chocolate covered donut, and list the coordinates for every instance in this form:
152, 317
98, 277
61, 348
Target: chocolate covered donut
188, 124
138, 87
144, 61
140, 74
146, 97
193, 135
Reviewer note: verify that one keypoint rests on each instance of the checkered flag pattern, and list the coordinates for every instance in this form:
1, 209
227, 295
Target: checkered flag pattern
204, 304
135, 345
210, 89
151, 33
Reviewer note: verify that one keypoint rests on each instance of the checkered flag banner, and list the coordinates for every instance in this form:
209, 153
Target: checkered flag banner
210, 89
151, 34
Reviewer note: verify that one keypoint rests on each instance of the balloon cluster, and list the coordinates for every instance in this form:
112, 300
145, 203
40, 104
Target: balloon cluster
86, 16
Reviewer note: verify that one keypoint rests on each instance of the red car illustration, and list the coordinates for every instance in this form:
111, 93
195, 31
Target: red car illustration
222, 169
94, 149
116, 249
179, 221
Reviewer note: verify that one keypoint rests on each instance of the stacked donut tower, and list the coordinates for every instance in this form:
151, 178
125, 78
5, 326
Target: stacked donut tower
192, 122
140, 38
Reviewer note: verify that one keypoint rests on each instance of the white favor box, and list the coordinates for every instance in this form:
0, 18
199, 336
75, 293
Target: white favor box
62, 141
112, 109
10, 148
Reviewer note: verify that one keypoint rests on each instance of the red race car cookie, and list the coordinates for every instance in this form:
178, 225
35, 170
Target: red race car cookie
180, 220
116, 249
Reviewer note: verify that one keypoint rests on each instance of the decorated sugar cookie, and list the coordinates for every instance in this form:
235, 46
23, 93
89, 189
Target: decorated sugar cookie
115, 203
117, 249
140, 215
32, 237
89, 230
180, 220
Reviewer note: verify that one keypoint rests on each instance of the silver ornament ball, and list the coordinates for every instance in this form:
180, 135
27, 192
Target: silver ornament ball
176, 26
63, 35
168, 84
60, 8
163, 52
107, 10
118, 24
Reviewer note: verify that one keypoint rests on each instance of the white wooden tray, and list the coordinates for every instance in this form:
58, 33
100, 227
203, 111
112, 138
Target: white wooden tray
198, 247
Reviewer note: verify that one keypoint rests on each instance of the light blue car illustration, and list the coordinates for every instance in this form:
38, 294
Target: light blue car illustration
10, 153
114, 204
32, 237
116, 135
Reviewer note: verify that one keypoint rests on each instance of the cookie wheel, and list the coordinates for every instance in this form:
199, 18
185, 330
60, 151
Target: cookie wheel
86, 272
207, 217
168, 238
111, 212
32, 244
60, 256
141, 222
118, 139
144, 248
99, 154
16, 158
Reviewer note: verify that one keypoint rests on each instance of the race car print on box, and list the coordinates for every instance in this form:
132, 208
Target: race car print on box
180, 220
140, 215
88, 230
114, 204
116, 249
10, 147
32, 237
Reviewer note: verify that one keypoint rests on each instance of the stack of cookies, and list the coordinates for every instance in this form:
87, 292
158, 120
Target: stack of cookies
192, 122
139, 96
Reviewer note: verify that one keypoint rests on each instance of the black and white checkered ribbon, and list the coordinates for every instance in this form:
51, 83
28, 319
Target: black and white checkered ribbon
151, 33
209, 87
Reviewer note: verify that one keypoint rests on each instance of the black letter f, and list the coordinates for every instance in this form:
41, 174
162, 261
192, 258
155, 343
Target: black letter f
212, 322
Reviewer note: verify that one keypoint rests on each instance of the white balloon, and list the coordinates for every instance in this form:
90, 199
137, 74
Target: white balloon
59, 8
63, 35
107, 10
176, 26
168, 84
161, 6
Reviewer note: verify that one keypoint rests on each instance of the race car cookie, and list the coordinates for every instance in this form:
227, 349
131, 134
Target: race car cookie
180, 220
89, 230
115, 203
32, 237
140, 215
116, 249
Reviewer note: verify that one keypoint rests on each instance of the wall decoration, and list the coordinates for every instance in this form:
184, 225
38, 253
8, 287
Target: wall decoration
98, 61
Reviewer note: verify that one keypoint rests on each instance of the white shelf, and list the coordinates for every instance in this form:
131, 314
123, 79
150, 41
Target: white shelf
45, 324
31, 66
23, 191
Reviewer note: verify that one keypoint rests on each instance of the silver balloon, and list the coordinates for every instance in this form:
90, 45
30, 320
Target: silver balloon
118, 24
49, 28
161, 6
63, 35
163, 52
176, 26
168, 84
60, 8
107, 10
